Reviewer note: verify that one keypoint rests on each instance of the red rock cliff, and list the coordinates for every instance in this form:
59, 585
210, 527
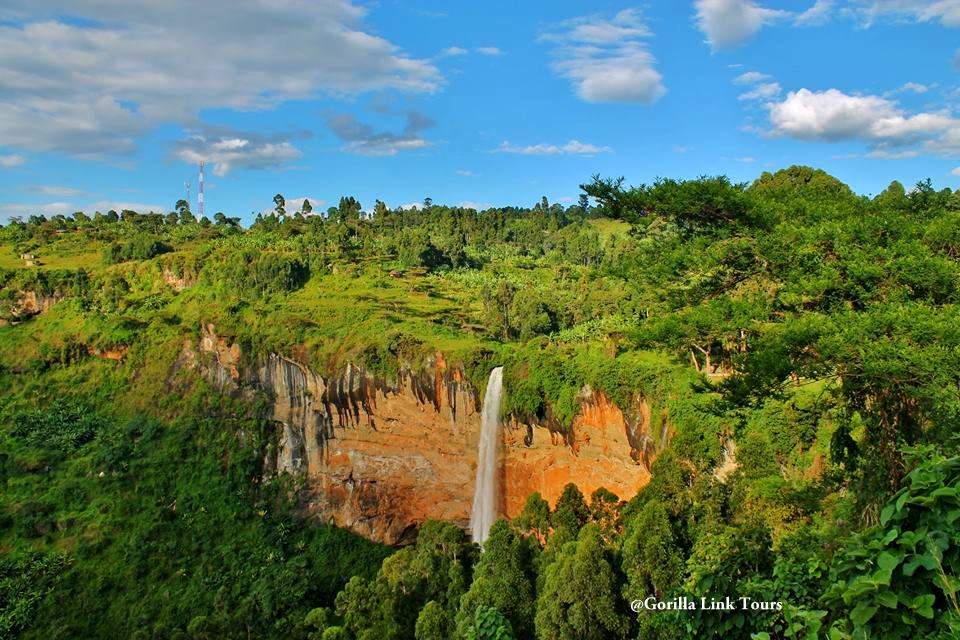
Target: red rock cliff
381, 456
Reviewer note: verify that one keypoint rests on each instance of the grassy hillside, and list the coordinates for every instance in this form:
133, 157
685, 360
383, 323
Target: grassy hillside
800, 341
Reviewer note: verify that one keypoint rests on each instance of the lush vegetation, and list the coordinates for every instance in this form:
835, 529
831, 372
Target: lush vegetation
799, 344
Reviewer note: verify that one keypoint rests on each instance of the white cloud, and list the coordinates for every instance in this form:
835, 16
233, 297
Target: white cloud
888, 130
751, 77
573, 147
946, 12
816, 15
727, 23
363, 139
226, 150
762, 89
470, 204
607, 60
55, 191
455, 51
10, 161
955, 171
765, 91
911, 87
464, 172
832, 115
93, 86
489, 51
24, 210
120, 205
293, 205
746, 159
885, 154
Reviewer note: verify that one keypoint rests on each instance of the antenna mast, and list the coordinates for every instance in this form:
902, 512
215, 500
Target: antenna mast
200, 193
186, 185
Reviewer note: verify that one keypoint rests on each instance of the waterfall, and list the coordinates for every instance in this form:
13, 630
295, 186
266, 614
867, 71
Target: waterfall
485, 492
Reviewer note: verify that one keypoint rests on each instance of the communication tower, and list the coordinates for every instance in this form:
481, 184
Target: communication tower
200, 193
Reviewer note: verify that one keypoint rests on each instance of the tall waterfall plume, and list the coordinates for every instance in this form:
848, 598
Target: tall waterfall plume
485, 492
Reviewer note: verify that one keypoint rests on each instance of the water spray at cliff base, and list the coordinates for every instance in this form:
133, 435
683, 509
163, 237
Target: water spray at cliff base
485, 493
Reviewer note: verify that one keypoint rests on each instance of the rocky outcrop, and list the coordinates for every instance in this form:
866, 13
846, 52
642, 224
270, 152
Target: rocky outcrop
381, 455
177, 282
32, 303
728, 460
116, 353
28, 304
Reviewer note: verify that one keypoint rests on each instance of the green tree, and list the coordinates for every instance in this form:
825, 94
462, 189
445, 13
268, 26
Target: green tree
535, 517
571, 511
581, 597
503, 579
498, 308
433, 623
532, 316
489, 624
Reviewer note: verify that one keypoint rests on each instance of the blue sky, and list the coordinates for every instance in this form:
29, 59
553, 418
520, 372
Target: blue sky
110, 104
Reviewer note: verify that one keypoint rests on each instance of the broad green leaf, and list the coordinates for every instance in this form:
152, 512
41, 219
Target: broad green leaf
862, 614
887, 599
887, 561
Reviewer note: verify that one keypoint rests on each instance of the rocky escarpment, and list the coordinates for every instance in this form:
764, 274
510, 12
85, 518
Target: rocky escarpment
28, 304
606, 447
380, 456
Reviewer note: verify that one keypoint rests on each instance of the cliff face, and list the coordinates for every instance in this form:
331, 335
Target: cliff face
381, 456
607, 449
29, 304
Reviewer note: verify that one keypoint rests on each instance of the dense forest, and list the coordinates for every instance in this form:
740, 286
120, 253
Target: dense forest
803, 339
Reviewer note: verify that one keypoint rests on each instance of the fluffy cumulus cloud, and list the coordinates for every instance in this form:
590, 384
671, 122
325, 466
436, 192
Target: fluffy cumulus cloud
573, 147
727, 23
892, 132
607, 60
226, 149
92, 86
363, 139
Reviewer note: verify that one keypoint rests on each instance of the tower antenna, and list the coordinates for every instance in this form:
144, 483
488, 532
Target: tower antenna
200, 194
186, 185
